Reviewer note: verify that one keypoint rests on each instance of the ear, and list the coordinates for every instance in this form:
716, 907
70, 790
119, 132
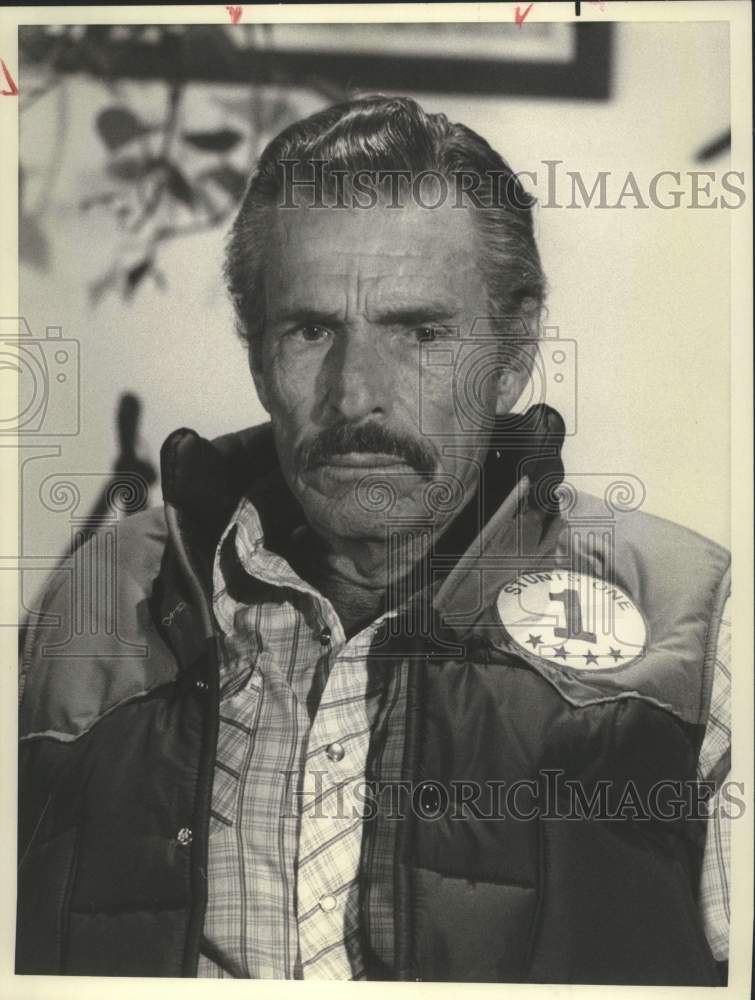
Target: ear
518, 354
259, 380
513, 377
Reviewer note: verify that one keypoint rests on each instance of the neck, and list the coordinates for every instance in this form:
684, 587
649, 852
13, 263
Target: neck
361, 578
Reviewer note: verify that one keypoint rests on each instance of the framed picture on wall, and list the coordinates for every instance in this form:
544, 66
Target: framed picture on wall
557, 59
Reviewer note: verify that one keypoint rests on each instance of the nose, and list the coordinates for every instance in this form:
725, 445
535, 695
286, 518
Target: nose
358, 379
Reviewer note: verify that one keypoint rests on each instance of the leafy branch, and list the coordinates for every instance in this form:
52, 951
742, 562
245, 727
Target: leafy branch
162, 181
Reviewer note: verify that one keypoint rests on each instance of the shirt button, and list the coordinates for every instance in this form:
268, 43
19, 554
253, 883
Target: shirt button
325, 636
335, 751
328, 903
184, 836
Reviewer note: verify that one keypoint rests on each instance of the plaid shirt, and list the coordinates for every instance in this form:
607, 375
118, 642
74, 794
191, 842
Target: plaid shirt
286, 824
713, 765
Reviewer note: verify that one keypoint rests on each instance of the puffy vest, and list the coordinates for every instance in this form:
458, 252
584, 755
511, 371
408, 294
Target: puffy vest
532, 745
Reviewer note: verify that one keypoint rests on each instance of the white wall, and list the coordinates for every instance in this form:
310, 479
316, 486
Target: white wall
645, 293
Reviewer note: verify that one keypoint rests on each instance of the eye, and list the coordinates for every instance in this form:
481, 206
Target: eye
312, 333
429, 333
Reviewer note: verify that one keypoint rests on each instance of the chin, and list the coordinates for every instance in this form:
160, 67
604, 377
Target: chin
368, 518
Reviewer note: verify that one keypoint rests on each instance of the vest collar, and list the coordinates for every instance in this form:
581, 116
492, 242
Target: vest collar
203, 481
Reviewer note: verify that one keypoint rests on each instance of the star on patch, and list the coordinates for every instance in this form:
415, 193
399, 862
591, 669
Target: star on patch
616, 653
590, 657
560, 652
535, 640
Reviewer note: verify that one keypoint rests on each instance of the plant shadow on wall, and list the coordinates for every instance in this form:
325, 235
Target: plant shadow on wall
164, 176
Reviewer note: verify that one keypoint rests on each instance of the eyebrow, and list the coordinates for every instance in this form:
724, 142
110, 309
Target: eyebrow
407, 314
401, 313
305, 314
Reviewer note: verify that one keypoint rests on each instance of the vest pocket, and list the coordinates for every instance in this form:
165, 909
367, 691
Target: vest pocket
615, 912
468, 931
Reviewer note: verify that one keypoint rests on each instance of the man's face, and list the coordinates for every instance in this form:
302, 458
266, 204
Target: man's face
368, 316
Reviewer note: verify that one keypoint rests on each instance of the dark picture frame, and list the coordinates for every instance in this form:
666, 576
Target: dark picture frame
208, 53
585, 75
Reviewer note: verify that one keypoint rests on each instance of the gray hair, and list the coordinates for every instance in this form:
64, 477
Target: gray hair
386, 136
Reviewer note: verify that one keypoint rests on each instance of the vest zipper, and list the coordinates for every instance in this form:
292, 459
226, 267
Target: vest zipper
405, 895
208, 689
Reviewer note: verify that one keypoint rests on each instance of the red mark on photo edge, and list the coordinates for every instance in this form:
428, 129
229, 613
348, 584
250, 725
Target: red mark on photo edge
235, 13
519, 16
9, 80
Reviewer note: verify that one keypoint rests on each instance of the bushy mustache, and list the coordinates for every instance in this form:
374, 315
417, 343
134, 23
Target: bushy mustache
372, 438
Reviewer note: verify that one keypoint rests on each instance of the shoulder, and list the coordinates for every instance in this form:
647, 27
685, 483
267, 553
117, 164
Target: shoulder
93, 643
678, 578
621, 506
639, 597
125, 556
140, 544
642, 545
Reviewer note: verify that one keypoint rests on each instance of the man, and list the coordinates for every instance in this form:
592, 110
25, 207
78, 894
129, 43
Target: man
373, 705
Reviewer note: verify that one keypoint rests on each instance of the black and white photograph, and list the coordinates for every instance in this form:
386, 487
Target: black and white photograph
377, 393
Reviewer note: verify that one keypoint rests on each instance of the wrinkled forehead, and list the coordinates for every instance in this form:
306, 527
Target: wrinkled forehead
410, 252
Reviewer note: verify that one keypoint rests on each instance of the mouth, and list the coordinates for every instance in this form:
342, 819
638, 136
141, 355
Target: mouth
349, 469
364, 460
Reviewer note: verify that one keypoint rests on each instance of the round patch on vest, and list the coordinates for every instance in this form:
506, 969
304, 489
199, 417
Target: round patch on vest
572, 619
